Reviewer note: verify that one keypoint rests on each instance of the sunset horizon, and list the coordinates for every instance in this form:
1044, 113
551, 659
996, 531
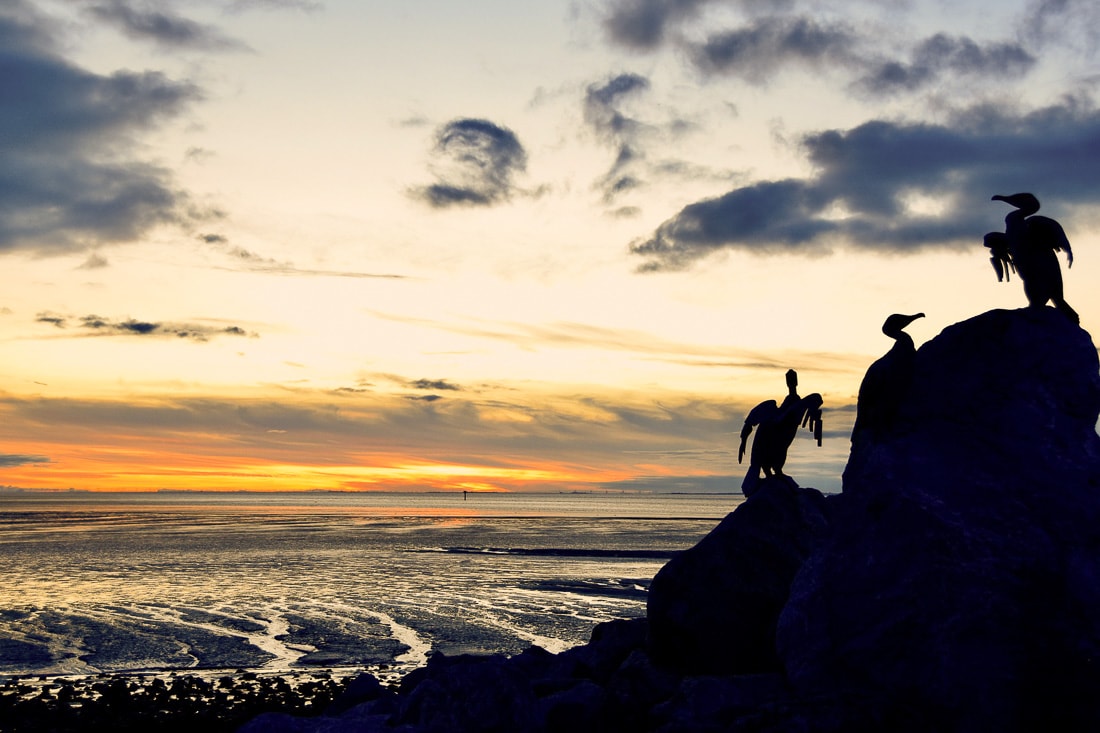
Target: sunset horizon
284, 245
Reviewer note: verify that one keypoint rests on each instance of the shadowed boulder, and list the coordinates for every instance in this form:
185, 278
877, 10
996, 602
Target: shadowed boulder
713, 608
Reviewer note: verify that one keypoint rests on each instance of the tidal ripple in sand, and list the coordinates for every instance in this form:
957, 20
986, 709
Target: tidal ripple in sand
126, 589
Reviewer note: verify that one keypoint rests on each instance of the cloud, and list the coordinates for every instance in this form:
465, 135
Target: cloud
1072, 23
70, 176
164, 28
771, 37
476, 161
941, 53
9, 460
436, 384
603, 115
565, 438
646, 24
567, 335
424, 398
95, 261
52, 318
757, 51
253, 262
98, 326
894, 187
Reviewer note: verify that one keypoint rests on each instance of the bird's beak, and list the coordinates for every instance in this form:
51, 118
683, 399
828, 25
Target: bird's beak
999, 197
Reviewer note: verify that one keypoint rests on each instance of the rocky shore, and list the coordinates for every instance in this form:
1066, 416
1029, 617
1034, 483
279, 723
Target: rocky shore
953, 586
163, 703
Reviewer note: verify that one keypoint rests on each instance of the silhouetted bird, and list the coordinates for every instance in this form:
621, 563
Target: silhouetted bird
1030, 243
778, 426
886, 380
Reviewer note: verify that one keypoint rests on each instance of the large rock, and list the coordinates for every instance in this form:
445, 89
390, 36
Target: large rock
959, 585
713, 608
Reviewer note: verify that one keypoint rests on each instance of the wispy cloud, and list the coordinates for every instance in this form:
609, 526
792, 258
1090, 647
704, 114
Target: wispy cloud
7, 460
646, 24
434, 384
163, 27
603, 114
644, 345
475, 162
757, 51
941, 55
250, 261
93, 325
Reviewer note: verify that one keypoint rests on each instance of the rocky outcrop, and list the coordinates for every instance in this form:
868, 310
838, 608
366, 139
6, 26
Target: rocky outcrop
953, 586
959, 585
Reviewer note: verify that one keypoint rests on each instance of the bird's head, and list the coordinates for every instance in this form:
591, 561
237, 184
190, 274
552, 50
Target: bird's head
1025, 202
896, 323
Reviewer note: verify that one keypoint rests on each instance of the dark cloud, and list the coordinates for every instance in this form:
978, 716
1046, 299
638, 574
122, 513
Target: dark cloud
774, 36
11, 460
99, 326
646, 24
941, 54
757, 51
603, 115
51, 318
434, 384
162, 27
601, 104
476, 161
424, 398
868, 177
70, 177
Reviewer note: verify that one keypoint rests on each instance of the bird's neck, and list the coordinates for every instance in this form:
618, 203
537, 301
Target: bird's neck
902, 339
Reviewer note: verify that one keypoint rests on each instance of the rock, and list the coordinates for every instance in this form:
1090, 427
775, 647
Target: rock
717, 702
468, 693
611, 643
364, 688
714, 607
959, 585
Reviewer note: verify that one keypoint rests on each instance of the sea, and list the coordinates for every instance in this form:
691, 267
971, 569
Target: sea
94, 583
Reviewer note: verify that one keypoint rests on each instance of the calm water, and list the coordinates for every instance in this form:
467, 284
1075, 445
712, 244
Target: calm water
113, 582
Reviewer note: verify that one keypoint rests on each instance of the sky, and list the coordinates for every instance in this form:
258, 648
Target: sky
553, 246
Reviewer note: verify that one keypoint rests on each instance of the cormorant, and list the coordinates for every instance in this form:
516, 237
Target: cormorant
1031, 243
884, 383
778, 425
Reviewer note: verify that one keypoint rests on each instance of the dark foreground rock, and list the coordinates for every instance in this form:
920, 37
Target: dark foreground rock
713, 608
959, 585
954, 586
122, 703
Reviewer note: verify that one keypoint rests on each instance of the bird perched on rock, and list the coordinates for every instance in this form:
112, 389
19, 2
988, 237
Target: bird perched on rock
886, 380
1028, 246
778, 425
